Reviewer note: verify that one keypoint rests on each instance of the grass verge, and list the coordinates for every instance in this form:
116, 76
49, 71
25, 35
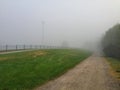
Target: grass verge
27, 70
115, 63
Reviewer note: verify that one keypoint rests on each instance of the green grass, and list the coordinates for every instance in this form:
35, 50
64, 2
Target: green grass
27, 70
115, 63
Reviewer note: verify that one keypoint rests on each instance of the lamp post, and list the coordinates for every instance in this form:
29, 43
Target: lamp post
43, 23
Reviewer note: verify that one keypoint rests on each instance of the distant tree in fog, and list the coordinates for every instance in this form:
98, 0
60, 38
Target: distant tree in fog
65, 44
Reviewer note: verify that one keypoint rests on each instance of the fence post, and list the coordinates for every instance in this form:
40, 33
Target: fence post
16, 47
6, 47
24, 47
30, 46
40, 46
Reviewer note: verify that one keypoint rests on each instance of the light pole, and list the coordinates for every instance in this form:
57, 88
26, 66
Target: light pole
43, 23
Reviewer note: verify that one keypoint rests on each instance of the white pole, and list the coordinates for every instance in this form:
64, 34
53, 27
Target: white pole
43, 32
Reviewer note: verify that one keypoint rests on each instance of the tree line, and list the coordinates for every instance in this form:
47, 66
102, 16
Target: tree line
111, 42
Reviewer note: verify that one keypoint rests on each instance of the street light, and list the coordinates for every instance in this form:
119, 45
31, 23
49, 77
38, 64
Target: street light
43, 23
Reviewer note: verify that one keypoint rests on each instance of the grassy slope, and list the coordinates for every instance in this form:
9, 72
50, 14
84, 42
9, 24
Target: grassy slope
26, 70
115, 65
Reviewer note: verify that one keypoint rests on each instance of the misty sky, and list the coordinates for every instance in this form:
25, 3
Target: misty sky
74, 21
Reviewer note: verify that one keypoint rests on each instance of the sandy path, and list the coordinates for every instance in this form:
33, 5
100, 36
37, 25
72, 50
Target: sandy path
91, 74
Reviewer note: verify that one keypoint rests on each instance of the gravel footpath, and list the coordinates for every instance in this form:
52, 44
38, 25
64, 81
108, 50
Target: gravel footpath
92, 74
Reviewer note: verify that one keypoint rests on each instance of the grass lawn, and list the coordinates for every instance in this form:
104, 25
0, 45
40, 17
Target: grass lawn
115, 63
27, 70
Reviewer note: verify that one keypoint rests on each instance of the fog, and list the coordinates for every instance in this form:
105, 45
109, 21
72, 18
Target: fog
77, 22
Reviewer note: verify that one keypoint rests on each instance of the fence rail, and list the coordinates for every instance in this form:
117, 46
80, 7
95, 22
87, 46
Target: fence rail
25, 47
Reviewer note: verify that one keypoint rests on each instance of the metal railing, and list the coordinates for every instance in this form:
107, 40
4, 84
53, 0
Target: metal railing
25, 47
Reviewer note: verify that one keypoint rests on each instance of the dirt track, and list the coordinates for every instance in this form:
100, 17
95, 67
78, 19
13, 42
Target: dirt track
91, 74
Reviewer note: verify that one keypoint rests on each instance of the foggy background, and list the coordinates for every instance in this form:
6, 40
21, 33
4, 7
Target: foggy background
78, 22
